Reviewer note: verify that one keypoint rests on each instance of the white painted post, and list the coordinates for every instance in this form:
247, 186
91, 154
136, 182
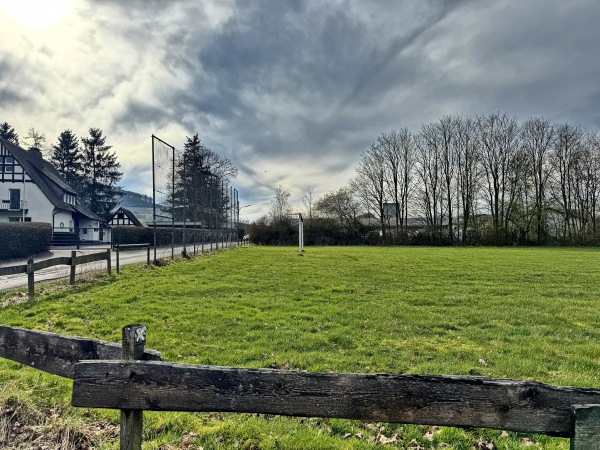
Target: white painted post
300, 234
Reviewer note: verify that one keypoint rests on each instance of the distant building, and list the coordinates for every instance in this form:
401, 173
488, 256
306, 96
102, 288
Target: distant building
124, 218
32, 190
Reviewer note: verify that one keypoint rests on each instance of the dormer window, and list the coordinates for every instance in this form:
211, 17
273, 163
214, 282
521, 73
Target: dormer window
68, 198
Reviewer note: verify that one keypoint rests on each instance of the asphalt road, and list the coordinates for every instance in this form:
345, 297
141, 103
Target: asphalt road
125, 258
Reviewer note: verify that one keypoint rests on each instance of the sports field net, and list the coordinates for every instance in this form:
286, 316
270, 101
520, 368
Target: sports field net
163, 174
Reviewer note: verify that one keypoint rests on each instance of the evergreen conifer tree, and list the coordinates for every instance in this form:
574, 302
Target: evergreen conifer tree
7, 132
68, 159
101, 170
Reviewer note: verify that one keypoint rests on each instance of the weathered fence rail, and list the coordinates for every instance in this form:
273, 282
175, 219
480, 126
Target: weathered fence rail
55, 353
522, 406
132, 386
31, 267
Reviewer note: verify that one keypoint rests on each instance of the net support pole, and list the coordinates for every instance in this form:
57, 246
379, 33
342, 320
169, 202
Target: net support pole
154, 198
300, 234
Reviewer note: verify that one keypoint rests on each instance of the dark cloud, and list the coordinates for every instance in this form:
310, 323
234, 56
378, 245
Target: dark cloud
293, 90
10, 93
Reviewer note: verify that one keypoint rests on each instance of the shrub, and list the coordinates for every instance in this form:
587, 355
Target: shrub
24, 239
145, 235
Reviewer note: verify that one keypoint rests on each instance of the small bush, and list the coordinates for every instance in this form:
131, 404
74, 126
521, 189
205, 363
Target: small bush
24, 239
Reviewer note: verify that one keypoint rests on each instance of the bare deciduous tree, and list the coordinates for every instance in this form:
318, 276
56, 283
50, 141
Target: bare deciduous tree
429, 171
369, 183
537, 139
280, 205
398, 152
341, 205
498, 134
308, 199
468, 175
567, 151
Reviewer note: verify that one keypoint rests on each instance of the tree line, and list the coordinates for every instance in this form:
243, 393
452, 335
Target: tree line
87, 164
472, 180
201, 193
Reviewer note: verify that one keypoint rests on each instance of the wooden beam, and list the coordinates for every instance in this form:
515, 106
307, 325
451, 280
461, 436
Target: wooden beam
30, 279
523, 406
13, 270
586, 427
92, 257
134, 339
44, 264
55, 353
73, 269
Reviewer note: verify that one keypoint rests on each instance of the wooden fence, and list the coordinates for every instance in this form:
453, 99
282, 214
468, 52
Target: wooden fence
133, 385
126, 247
31, 267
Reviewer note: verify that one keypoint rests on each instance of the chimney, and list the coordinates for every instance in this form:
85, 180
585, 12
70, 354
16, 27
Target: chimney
35, 152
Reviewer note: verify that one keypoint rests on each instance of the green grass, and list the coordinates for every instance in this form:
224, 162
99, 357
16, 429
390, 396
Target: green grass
498, 312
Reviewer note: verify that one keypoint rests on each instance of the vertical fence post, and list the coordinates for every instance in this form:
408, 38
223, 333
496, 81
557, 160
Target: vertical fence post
148, 255
73, 267
30, 279
117, 248
586, 427
108, 262
134, 339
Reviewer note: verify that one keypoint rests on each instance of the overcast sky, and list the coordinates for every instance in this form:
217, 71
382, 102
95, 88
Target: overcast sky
290, 91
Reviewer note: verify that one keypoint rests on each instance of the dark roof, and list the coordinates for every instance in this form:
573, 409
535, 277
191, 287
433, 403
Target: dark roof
47, 178
130, 215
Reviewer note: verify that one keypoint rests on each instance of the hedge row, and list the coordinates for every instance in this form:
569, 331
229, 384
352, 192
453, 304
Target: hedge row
145, 235
24, 239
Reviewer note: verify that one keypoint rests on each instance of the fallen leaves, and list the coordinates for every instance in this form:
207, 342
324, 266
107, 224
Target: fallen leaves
45, 429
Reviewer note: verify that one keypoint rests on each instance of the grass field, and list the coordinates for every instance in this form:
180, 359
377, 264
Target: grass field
498, 312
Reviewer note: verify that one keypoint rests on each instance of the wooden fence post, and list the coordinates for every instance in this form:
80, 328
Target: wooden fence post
117, 248
134, 339
108, 267
148, 255
73, 267
586, 427
30, 279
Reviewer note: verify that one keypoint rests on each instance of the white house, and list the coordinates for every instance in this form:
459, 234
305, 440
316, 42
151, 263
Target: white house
32, 190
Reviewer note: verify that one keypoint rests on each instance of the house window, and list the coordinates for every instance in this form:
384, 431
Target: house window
85, 231
27, 219
14, 219
62, 224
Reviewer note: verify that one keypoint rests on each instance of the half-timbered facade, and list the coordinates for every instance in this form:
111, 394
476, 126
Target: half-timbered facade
124, 218
32, 190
